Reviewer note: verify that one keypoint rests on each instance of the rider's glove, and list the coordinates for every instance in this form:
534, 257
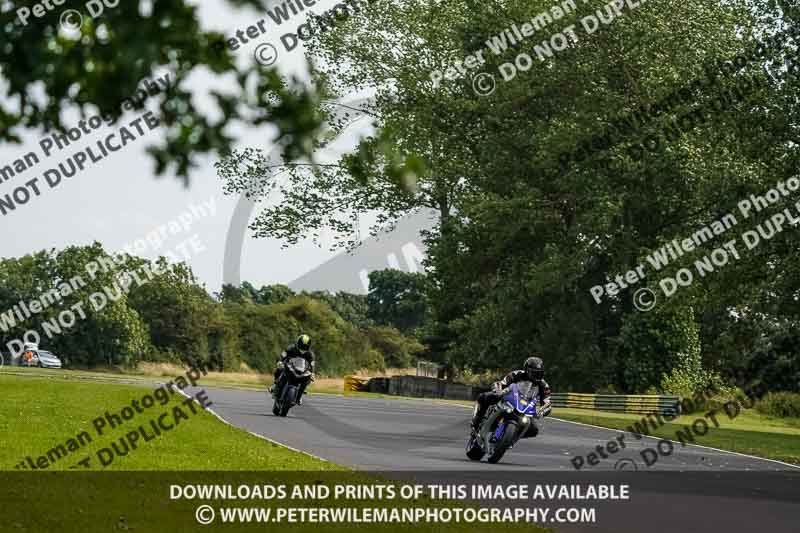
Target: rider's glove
547, 407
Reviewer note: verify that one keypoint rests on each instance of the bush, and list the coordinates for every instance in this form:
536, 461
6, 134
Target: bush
398, 350
264, 331
695, 386
725, 395
780, 404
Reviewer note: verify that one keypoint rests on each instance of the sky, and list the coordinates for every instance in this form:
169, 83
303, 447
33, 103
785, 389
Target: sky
120, 202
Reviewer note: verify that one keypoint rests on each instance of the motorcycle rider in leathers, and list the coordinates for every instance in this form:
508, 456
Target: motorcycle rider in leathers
301, 348
532, 371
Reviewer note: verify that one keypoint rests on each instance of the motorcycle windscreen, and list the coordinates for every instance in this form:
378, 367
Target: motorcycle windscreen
299, 364
527, 397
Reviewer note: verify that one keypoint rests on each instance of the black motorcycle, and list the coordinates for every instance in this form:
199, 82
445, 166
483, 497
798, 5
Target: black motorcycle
296, 372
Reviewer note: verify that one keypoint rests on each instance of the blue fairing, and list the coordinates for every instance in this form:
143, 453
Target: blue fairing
522, 401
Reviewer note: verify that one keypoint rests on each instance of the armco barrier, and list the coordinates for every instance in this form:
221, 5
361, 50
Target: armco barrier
631, 403
413, 386
424, 387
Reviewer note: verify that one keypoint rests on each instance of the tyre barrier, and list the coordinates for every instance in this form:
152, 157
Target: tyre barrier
621, 403
379, 385
355, 384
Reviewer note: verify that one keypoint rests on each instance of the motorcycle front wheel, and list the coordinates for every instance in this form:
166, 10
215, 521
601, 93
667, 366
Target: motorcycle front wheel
288, 399
504, 443
474, 450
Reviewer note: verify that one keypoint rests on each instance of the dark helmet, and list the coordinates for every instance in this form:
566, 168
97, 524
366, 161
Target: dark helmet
534, 368
303, 343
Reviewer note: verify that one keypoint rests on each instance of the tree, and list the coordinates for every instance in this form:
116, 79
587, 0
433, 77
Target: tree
99, 67
186, 325
351, 307
266, 295
523, 237
397, 299
238, 295
79, 318
388, 175
104, 309
274, 294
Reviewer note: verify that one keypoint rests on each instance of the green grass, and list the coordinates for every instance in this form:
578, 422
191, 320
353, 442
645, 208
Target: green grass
37, 414
750, 432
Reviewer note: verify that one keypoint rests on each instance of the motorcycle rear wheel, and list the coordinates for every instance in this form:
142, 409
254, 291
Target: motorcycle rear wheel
505, 443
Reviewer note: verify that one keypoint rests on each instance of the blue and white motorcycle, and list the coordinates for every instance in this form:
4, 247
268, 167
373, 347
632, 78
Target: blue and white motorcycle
516, 416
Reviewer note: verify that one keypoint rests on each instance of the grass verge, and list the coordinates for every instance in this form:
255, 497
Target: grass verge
37, 415
750, 432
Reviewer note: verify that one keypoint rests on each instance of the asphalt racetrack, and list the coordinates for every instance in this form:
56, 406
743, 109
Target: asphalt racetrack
695, 489
390, 434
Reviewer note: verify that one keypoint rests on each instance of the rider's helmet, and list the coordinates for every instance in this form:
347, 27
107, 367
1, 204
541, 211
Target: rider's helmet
534, 369
303, 343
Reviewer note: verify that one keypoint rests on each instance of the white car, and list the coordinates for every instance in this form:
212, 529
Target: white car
40, 358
